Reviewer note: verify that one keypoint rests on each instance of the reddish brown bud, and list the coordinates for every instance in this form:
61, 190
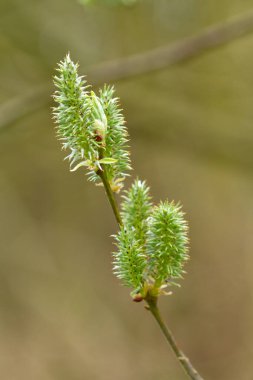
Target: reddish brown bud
137, 298
98, 138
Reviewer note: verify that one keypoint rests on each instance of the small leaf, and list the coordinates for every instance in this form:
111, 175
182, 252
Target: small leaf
83, 163
107, 161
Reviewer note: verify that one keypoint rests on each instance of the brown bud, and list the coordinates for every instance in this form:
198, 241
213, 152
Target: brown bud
137, 298
98, 137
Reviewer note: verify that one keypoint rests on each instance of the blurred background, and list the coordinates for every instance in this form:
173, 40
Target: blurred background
187, 97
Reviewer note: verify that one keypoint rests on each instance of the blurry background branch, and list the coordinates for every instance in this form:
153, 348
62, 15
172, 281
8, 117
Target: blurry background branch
162, 57
156, 59
109, 2
20, 106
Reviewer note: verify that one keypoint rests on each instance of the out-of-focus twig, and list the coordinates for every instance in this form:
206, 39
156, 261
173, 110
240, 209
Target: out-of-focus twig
179, 51
20, 106
155, 59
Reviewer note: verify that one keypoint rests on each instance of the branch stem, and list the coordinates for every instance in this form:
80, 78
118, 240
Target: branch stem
110, 195
183, 360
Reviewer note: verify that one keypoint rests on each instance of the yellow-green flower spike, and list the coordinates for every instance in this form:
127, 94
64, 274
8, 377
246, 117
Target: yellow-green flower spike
136, 209
129, 262
167, 243
92, 127
116, 138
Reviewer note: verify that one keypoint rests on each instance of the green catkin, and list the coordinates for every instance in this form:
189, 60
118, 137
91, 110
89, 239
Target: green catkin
72, 111
136, 209
92, 127
167, 243
116, 138
129, 262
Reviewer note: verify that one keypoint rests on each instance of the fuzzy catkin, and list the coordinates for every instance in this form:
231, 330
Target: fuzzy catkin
129, 262
136, 209
167, 243
91, 126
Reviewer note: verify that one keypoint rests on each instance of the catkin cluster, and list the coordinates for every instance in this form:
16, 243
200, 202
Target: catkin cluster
152, 243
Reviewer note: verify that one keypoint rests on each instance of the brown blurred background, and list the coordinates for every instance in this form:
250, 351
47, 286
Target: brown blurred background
63, 315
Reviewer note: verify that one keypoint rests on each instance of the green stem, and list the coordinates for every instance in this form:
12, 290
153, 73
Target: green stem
102, 174
184, 361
